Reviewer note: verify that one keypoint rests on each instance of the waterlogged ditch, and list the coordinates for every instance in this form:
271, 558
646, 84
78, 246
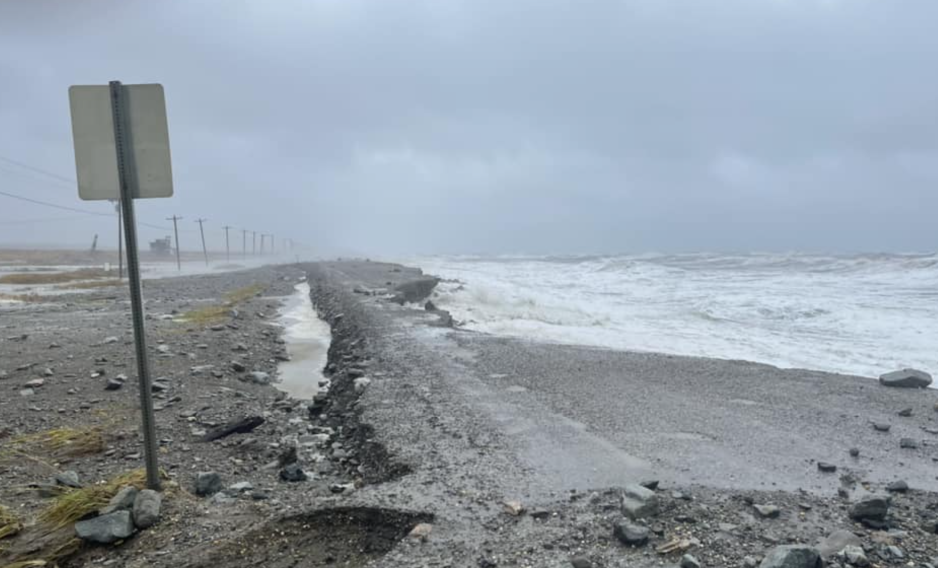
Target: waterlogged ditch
307, 341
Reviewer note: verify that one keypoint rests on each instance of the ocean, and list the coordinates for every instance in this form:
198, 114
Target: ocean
859, 314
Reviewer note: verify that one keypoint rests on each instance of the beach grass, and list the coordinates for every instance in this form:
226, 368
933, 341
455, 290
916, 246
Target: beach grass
37, 277
216, 312
74, 505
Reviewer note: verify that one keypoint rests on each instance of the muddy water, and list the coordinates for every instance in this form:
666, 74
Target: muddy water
307, 339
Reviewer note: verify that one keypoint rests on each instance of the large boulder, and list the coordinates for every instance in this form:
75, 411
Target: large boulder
872, 508
122, 501
906, 378
147, 508
414, 290
792, 556
106, 529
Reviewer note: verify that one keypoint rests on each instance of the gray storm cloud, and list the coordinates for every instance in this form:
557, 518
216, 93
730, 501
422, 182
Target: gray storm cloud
540, 126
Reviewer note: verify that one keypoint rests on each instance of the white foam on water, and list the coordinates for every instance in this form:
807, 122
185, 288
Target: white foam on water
307, 341
861, 314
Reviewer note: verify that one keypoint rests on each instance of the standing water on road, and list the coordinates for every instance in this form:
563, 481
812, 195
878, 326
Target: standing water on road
308, 339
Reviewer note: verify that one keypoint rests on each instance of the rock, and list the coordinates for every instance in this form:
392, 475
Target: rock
147, 508
240, 426
260, 377
767, 511
421, 531
342, 488
906, 378
48, 372
872, 508
207, 483
639, 502
826, 467
27, 392
34, 384
237, 367
162, 348
68, 479
854, 452
630, 534
415, 290
217, 327
855, 556
897, 487
361, 384
750, 562
580, 562
240, 347
930, 526
792, 556
122, 501
159, 386
905, 412
688, 561
881, 426
106, 529
514, 508
240, 487
651, 484
837, 541
293, 473
908, 443
113, 385
110, 340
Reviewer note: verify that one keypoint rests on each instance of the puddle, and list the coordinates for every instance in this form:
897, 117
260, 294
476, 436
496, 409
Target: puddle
307, 341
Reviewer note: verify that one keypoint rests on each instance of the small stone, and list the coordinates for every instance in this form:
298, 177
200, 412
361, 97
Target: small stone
260, 377
651, 484
113, 385
48, 372
240, 347
27, 392
881, 426
688, 561
905, 412
792, 556
639, 502
837, 541
826, 467
159, 386
238, 367
580, 562
106, 529
217, 327
207, 483
163, 348
768, 511
68, 479
293, 473
930, 526
240, 487
342, 488
872, 508
360, 384
854, 452
897, 487
34, 384
906, 378
908, 443
122, 501
514, 508
855, 556
421, 531
630, 534
750, 562
110, 340
147, 508
895, 552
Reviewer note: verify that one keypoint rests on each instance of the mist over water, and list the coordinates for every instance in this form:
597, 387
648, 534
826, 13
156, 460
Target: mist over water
861, 314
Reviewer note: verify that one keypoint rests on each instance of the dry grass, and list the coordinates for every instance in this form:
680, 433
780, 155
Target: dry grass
215, 313
31, 297
37, 277
59, 442
77, 504
10, 524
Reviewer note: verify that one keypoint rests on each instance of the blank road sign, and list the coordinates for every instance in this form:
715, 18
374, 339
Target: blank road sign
95, 149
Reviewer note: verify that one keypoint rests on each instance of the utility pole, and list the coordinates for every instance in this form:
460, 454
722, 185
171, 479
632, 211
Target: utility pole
244, 244
202, 232
174, 219
263, 236
253, 243
227, 247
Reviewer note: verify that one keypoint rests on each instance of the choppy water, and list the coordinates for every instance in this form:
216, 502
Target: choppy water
862, 314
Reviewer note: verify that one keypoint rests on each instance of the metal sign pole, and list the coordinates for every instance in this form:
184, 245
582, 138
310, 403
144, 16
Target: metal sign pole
128, 190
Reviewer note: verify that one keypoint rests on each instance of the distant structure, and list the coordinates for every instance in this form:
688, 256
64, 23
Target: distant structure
162, 247
94, 244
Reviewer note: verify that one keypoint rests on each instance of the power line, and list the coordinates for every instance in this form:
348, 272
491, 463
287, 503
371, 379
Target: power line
64, 207
52, 175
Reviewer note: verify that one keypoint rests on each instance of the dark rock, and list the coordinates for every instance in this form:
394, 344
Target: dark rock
106, 529
906, 378
207, 483
905, 412
872, 508
792, 556
908, 443
688, 561
897, 487
430, 306
293, 473
854, 452
237, 367
260, 378
930, 526
826, 467
631, 534
580, 562
147, 508
650, 484
415, 290
122, 501
240, 426
113, 385
882, 426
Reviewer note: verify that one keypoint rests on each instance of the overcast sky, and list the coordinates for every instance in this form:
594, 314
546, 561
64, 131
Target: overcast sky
496, 126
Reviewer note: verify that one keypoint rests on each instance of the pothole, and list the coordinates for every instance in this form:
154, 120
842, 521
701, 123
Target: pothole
307, 341
349, 537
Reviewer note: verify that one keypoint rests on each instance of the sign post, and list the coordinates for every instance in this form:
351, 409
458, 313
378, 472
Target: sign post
122, 152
